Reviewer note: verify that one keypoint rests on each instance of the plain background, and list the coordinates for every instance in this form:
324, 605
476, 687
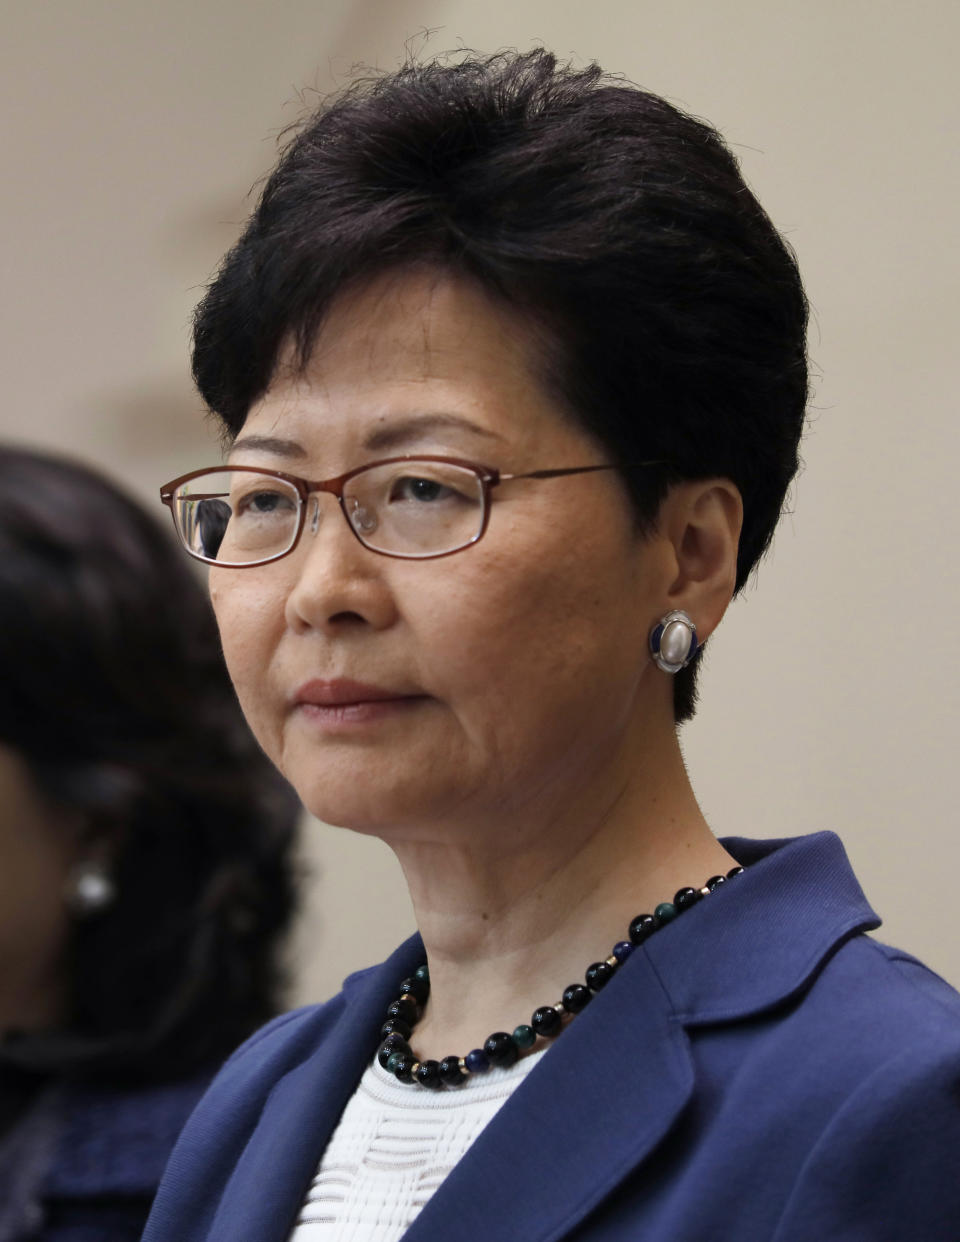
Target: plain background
132, 133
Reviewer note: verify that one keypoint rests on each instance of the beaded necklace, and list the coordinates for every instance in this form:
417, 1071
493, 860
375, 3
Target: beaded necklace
500, 1048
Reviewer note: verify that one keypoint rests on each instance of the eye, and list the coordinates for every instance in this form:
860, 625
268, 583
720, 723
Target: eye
264, 501
424, 490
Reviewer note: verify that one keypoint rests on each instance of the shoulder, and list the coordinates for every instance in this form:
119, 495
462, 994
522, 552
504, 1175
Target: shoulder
867, 1014
913, 982
870, 1003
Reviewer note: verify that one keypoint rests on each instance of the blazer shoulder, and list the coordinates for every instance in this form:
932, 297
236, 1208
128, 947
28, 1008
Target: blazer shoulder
888, 985
868, 1006
916, 977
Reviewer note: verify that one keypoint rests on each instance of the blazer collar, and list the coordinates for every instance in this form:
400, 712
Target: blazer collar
759, 939
622, 1073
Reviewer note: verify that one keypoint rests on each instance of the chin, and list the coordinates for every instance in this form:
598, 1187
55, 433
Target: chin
335, 814
372, 803
348, 796
376, 790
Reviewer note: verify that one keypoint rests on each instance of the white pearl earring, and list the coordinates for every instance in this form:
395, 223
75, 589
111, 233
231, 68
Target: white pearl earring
673, 641
89, 889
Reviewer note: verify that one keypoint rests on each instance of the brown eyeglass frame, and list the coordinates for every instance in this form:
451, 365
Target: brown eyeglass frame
489, 478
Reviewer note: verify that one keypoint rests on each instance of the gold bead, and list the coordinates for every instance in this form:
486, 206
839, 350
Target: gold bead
612, 961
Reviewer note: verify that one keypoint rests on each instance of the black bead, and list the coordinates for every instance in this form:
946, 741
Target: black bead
686, 897
403, 1029
599, 975
427, 1074
546, 1021
715, 881
403, 1063
451, 1073
416, 988
732, 875
576, 997
404, 1007
643, 925
393, 1043
501, 1049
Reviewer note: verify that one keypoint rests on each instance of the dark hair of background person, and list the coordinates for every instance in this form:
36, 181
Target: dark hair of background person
669, 313
116, 695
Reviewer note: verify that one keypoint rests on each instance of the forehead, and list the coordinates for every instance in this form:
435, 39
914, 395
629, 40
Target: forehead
421, 348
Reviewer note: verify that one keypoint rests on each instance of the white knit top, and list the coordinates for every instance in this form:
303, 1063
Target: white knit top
393, 1146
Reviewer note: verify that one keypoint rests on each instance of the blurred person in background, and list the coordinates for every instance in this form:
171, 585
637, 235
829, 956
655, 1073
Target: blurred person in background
145, 855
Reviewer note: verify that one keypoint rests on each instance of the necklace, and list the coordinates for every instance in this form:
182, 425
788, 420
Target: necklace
500, 1048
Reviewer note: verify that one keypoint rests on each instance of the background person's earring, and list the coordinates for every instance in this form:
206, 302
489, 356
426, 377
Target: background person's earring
89, 889
673, 641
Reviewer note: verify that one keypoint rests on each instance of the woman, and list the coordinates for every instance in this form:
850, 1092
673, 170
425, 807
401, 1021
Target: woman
144, 855
529, 329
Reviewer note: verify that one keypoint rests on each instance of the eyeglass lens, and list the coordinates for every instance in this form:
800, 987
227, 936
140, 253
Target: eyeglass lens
409, 508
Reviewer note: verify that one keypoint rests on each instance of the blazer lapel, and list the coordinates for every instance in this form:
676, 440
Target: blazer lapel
273, 1175
598, 1104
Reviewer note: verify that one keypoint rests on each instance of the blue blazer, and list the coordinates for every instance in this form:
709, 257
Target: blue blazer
761, 1069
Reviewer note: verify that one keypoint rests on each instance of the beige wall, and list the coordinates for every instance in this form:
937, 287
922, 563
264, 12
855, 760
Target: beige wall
131, 133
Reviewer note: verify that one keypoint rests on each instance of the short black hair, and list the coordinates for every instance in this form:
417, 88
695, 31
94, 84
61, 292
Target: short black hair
116, 696
674, 311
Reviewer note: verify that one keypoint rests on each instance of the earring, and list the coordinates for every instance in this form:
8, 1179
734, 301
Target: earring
89, 889
673, 641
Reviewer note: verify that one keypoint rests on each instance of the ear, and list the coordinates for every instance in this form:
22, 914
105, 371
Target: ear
701, 521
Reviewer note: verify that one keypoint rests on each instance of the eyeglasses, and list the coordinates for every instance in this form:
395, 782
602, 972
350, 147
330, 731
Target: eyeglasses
414, 508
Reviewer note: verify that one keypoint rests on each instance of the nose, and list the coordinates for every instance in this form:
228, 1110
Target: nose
338, 584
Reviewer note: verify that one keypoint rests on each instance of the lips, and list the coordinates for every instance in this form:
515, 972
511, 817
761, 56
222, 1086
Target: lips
344, 707
343, 692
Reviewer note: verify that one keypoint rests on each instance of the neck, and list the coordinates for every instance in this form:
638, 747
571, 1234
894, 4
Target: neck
510, 918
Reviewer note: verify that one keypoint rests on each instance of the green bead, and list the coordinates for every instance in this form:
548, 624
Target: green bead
393, 1062
422, 973
524, 1036
665, 912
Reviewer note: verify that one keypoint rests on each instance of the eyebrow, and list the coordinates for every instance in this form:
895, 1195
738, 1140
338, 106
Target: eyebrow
269, 444
392, 435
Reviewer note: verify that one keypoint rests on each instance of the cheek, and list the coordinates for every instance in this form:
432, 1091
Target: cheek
541, 652
247, 618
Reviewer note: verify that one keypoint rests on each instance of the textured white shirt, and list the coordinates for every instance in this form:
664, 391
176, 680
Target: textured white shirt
393, 1146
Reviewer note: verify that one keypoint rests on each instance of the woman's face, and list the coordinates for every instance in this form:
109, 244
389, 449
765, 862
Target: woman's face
503, 673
